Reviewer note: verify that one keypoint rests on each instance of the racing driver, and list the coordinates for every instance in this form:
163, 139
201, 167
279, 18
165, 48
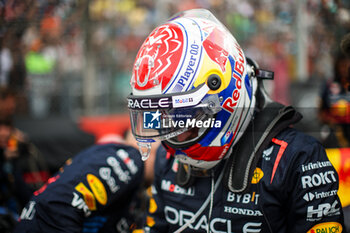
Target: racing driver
229, 161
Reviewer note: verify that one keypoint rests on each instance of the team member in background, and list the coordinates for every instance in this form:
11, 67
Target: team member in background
17, 148
14, 192
97, 191
22, 167
229, 161
334, 109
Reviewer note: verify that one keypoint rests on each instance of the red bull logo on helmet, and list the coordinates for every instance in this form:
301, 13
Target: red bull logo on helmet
216, 52
237, 74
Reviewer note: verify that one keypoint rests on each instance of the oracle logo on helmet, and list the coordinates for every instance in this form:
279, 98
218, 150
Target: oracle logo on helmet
149, 103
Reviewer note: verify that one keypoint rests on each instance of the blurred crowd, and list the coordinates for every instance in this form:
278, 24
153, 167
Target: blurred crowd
67, 57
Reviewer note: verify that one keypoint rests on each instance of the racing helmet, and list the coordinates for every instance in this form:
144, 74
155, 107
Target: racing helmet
192, 89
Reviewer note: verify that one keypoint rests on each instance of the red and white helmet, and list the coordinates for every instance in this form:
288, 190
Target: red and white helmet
191, 89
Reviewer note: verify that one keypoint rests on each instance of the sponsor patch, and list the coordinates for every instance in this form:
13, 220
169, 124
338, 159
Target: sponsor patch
315, 165
316, 213
243, 198
326, 227
150, 221
318, 179
242, 211
97, 188
251, 227
318, 195
267, 153
80, 204
180, 217
28, 212
87, 195
174, 188
105, 173
152, 206
257, 176
123, 176
175, 166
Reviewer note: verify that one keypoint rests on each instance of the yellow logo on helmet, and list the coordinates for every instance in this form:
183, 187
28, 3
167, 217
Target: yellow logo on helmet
257, 175
97, 188
326, 227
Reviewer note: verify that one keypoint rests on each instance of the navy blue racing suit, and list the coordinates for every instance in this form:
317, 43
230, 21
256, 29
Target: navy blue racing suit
293, 189
92, 194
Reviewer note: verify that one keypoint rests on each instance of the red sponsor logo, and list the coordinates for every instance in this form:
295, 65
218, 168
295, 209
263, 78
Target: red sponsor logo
212, 45
158, 57
231, 102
